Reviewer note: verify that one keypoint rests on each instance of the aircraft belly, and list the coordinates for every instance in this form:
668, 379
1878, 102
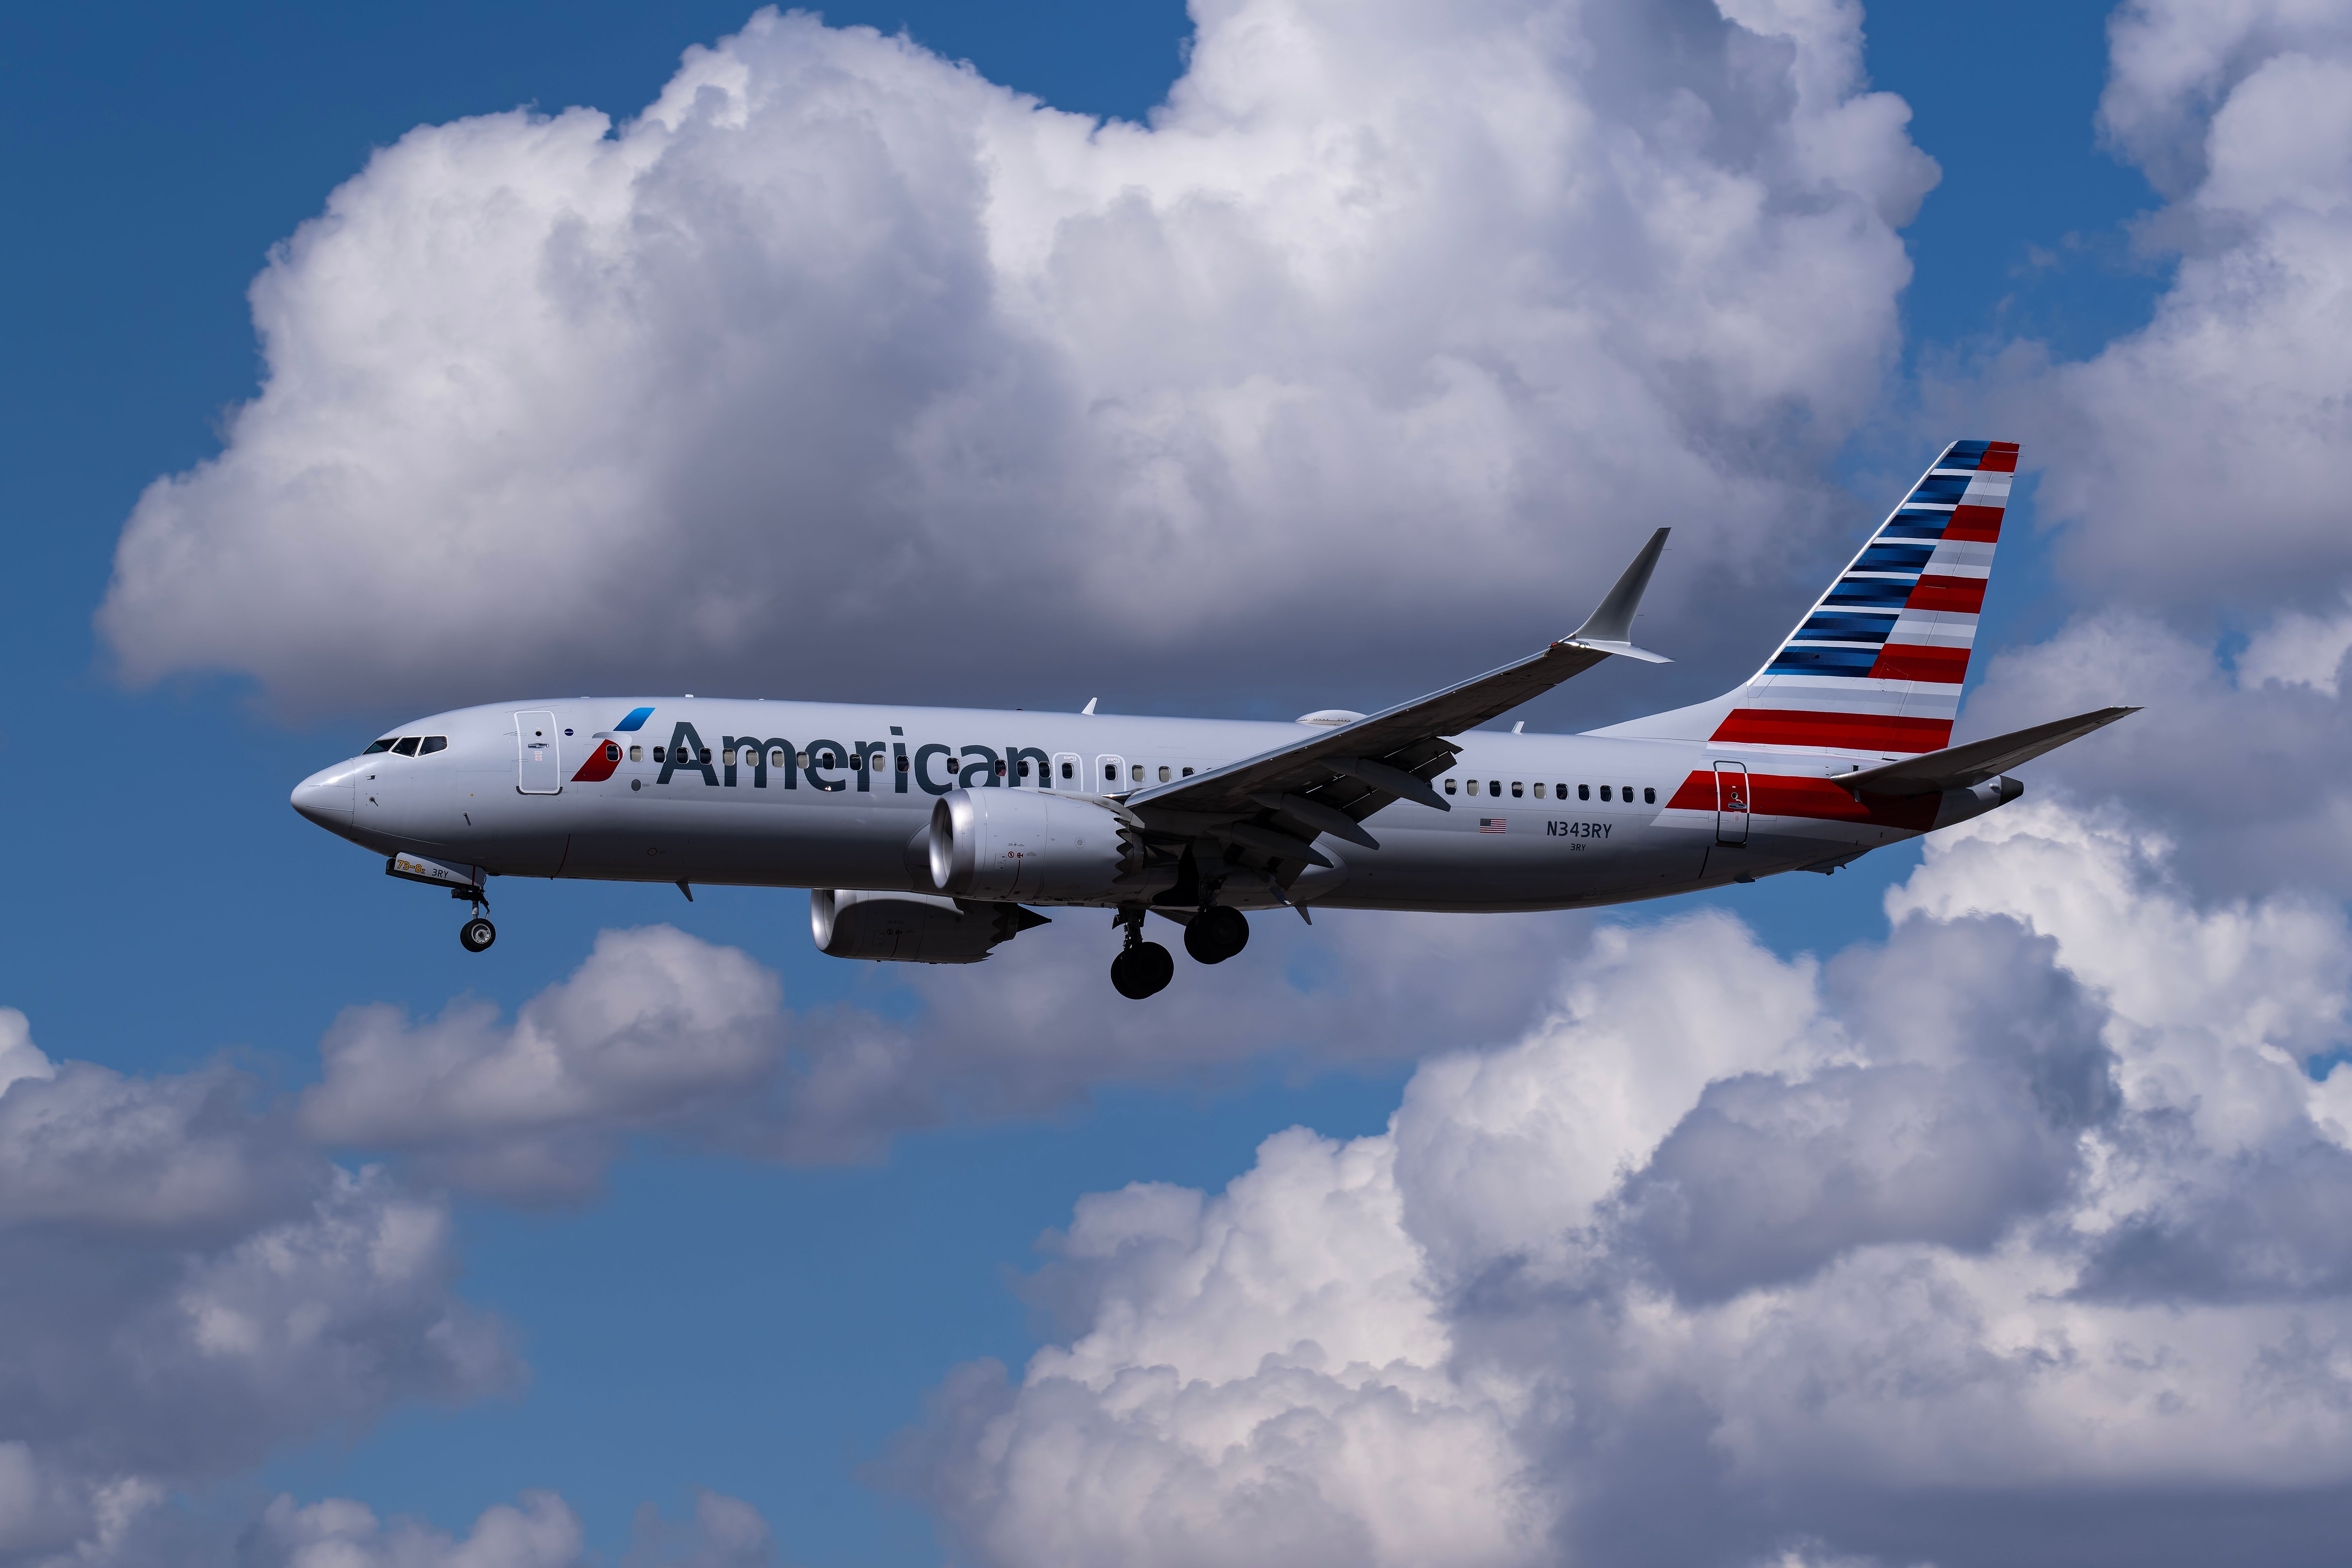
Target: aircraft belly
1521, 859
757, 843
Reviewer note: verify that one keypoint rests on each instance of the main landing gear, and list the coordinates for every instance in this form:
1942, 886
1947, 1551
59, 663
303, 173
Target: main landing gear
1216, 934
1143, 968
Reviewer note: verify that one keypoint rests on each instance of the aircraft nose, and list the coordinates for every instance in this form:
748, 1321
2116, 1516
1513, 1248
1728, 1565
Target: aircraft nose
325, 798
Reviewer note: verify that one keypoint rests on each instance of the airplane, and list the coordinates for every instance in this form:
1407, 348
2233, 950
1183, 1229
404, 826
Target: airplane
936, 834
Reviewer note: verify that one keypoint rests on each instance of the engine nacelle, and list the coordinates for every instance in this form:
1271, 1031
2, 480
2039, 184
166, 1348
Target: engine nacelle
910, 928
1030, 846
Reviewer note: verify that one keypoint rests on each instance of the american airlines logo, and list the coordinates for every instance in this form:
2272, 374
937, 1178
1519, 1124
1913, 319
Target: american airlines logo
828, 765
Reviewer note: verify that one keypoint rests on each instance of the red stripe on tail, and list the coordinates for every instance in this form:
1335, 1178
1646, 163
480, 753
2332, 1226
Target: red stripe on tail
1974, 524
1963, 596
1833, 731
1921, 661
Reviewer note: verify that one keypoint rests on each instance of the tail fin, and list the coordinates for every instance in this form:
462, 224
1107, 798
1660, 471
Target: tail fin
1875, 666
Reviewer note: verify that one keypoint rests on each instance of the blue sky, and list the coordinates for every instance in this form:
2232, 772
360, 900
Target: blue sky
769, 1329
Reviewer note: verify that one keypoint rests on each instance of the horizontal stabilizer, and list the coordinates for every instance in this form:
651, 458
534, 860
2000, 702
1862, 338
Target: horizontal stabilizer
1963, 766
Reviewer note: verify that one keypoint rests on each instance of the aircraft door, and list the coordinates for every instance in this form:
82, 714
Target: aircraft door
1110, 776
1731, 803
1069, 772
539, 768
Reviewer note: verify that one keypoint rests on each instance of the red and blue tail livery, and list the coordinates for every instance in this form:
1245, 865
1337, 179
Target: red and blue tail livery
1876, 665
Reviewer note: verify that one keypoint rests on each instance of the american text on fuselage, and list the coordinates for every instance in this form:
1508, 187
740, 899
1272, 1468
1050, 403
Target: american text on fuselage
932, 834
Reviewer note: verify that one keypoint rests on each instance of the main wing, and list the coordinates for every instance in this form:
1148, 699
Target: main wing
1278, 802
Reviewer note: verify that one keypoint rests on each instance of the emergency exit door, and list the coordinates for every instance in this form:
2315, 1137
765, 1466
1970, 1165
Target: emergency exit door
1731, 803
539, 767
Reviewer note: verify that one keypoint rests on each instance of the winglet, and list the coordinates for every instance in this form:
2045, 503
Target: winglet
1609, 628
1089, 708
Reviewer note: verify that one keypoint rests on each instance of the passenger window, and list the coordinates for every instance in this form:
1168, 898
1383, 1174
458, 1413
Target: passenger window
383, 745
1024, 767
800, 757
704, 758
406, 746
1518, 790
776, 758
1539, 795
1135, 773
1163, 773
1629, 795
1561, 790
1584, 792
1649, 795
1604, 792
999, 770
728, 757
658, 755
611, 751
1449, 786
636, 753
904, 766
1069, 771
1188, 772
433, 744
1110, 772
1494, 787
1470, 785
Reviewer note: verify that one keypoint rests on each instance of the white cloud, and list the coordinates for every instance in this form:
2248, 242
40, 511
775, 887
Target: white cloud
836, 340
2242, 771
1944, 1251
193, 1287
539, 1530
660, 1034
2200, 459
655, 1025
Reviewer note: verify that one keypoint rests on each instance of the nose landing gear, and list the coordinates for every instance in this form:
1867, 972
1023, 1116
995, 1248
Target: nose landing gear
1143, 968
476, 933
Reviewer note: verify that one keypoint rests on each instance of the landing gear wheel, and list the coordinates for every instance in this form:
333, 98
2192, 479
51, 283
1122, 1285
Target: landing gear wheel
476, 934
1216, 933
1143, 970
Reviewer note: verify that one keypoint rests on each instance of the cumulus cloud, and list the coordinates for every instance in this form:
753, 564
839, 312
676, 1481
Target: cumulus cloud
2238, 763
191, 1286
837, 343
1965, 1246
538, 1530
2198, 459
658, 1033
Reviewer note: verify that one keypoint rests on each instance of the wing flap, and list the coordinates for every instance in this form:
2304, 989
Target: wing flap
1961, 767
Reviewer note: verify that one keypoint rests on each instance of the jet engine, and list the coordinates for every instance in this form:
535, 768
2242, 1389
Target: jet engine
911, 928
1029, 846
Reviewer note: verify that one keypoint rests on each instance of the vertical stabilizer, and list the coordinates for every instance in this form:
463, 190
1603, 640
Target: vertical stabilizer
1876, 666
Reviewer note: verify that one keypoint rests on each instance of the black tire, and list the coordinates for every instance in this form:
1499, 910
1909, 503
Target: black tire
476, 934
1216, 933
1156, 966
1142, 971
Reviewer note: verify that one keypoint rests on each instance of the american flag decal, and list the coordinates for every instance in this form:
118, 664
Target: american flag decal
1490, 825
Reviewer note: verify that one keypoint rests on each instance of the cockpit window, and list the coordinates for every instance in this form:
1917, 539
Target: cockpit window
433, 744
406, 746
383, 745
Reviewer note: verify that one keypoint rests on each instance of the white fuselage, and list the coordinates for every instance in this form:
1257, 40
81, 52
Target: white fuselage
516, 790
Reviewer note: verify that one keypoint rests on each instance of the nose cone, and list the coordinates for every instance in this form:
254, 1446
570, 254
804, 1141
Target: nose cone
325, 798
